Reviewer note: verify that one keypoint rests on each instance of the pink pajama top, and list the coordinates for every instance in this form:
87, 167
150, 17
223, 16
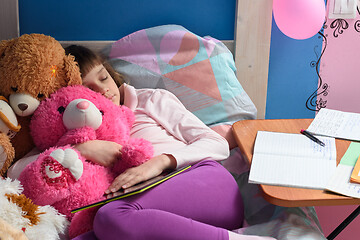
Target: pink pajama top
163, 120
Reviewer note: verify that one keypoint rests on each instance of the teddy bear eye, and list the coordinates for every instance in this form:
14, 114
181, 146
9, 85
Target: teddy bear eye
102, 112
61, 109
14, 89
40, 95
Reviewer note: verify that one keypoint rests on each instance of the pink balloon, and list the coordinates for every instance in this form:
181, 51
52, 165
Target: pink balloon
299, 19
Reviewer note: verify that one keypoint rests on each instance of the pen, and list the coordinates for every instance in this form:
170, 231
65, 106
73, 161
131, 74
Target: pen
312, 137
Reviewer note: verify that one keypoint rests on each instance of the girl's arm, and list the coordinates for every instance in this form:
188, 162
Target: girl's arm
102, 152
200, 141
150, 169
15, 170
106, 153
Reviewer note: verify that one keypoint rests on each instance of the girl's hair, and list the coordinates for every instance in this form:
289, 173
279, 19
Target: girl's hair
87, 60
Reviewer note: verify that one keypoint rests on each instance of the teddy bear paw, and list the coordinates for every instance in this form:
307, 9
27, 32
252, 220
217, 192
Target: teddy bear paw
3, 156
60, 164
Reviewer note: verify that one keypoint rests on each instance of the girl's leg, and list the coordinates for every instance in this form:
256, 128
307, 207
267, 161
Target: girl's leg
86, 236
200, 203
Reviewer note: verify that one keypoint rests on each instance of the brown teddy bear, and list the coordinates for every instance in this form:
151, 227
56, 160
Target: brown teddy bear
32, 66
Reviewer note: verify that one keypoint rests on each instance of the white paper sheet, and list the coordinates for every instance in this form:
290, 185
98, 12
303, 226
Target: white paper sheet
338, 124
294, 160
340, 180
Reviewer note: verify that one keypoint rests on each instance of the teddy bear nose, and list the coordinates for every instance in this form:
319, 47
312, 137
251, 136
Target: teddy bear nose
23, 106
83, 105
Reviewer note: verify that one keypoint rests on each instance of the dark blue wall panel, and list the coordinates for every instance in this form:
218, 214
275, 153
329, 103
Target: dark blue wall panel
113, 19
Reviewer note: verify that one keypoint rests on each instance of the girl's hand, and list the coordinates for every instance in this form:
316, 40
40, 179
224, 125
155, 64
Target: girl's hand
102, 152
152, 168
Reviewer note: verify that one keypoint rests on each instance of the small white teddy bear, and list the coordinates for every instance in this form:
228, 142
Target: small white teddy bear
37, 222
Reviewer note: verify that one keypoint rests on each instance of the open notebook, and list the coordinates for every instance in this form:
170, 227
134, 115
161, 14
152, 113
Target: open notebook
139, 188
288, 159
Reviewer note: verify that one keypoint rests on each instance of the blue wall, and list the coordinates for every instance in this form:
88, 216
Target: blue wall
293, 76
292, 68
113, 19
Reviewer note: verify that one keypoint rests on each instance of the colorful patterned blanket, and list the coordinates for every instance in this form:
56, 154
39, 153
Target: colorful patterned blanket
200, 71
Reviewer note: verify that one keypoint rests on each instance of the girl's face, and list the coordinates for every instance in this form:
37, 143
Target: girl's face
99, 80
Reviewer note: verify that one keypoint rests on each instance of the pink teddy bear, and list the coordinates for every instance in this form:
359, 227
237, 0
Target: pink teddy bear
60, 176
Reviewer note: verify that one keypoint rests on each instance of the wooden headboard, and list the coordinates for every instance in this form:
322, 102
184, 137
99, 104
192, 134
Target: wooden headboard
250, 48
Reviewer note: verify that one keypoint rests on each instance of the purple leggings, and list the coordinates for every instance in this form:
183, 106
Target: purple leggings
200, 203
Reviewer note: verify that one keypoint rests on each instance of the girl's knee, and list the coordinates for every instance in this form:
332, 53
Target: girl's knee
113, 220
112, 212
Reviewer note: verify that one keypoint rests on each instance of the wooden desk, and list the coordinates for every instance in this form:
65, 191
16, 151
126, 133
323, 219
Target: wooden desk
245, 133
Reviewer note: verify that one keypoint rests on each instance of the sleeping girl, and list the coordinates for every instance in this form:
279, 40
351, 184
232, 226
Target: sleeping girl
203, 202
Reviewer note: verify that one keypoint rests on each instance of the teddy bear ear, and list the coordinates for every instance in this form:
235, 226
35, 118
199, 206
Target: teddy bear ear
72, 70
4, 44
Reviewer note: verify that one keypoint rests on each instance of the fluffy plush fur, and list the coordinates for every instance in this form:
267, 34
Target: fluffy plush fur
7, 155
31, 67
62, 177
8, 232
8, 128
19, 212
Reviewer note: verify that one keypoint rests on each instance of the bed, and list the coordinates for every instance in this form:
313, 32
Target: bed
241, 95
